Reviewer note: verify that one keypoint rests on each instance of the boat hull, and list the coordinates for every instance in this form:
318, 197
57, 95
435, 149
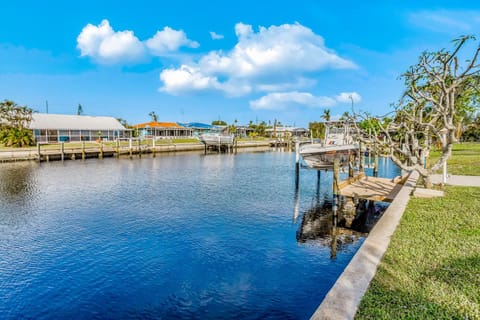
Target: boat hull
216, 139
322, 157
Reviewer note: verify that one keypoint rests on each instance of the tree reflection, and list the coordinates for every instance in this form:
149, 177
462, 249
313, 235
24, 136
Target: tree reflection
17, 181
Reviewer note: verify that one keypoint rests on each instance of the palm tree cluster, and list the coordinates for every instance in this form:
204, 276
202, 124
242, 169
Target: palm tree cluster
14, 121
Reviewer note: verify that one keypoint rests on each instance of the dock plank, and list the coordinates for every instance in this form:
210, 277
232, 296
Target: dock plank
373, 188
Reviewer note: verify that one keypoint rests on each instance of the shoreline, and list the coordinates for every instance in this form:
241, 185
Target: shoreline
66, 152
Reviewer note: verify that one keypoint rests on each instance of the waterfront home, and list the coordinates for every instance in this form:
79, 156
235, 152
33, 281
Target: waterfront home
285, 132
163, 130
65, 128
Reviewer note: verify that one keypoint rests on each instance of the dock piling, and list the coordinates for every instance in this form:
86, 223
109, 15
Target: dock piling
38, 152
62, 150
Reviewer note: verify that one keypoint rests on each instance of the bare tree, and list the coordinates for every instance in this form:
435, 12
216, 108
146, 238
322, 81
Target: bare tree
439, 91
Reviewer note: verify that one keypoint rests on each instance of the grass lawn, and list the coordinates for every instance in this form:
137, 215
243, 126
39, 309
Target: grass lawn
465, 159
431, 269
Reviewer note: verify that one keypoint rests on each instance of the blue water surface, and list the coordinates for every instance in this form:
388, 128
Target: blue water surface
183, 236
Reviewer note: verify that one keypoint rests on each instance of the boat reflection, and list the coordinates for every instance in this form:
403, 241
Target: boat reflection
319, 224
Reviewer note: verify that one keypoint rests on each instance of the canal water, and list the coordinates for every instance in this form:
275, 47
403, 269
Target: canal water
176, 236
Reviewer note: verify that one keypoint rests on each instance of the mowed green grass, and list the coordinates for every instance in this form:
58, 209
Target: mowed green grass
465, 159
431, 269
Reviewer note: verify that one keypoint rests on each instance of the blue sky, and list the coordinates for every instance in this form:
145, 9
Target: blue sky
206, 60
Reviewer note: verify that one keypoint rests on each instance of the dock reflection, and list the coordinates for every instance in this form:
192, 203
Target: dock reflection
323, 224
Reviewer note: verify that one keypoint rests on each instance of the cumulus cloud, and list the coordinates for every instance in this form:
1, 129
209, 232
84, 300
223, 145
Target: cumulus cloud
272, 56
169, 40
106, 46
216, 36
346, 97
283, 100
187, 79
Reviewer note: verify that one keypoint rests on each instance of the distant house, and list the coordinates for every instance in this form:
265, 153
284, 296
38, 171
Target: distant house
162, 130
197, 127
65, 128
282, 132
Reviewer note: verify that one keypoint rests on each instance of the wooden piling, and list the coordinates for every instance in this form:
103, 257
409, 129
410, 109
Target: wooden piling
361, 158
350, 166
336, 177
83, 150
117, 148
375, 165
130, 147
153, 146
62, 150
38, 152
297, 163
100, 155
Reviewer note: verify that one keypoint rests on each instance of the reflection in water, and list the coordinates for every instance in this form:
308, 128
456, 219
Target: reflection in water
319, 222
18, 189
16, 181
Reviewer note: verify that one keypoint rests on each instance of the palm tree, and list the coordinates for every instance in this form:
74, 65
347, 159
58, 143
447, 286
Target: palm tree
154, 116
345, 116
326, 115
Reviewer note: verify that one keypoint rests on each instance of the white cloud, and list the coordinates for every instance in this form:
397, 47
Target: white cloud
169, 40
216, 36
104, 45
271, 57
107, 46
450, 22
346, 97
187, 79
282, 100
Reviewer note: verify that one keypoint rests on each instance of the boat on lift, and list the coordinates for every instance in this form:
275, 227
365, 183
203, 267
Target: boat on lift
218, 136
338, 144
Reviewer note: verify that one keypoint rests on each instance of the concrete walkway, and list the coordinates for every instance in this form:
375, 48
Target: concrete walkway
453, 180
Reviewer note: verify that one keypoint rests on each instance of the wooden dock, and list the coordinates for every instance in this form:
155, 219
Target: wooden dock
371, 188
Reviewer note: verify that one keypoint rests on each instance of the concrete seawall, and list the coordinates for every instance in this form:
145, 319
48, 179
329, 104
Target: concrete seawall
13, 155
342, 301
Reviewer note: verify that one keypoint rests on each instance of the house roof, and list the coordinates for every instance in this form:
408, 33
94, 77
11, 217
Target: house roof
196, 125
73, 122
156, 124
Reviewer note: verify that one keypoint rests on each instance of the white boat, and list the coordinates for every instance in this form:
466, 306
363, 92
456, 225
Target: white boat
338, 144
217, 137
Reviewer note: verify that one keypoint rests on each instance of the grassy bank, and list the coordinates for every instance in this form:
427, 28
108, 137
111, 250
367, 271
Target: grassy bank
431, 269
465, 159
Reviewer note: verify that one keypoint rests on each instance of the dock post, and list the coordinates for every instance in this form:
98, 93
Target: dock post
62, 150
139, 148
375, 165
297, 163
130, 147
361, 157
83, 150
118, 147
153, 146
38, 152
336, 177
205, 148
100, 155
350, 166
